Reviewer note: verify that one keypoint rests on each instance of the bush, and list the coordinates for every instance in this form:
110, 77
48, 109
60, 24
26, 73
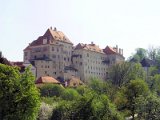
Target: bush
45, 112
50, 90
70, 94
19, 97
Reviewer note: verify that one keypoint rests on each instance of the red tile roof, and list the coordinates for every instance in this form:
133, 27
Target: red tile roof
90, 47
57, 35
27, 48
20, 65
51, 36
109, 50
47, 79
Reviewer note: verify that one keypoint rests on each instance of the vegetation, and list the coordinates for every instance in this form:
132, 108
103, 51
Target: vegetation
129, 92
19, 97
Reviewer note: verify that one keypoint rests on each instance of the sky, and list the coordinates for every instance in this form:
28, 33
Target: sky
130, 24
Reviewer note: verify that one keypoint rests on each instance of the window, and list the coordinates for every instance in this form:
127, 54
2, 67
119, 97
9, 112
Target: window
54, 56
26, 53
87, 54
44, 48
52, 48
45, 41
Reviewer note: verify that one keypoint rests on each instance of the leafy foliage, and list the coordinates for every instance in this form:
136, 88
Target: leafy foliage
51, 90
45, 112
121, 73
134, 95
19, 97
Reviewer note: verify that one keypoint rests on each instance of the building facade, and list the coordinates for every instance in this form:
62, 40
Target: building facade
53, 54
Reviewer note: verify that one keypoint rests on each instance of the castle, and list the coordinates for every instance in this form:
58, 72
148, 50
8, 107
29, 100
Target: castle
53, 54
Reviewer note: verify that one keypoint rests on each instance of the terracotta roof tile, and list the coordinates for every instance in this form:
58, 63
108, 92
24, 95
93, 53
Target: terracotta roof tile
27, 48
90, 47
20, 65
51, 36
109, 50
58, 35
47, 79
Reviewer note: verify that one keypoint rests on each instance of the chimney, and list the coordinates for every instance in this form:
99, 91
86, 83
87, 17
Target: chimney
55, 29
117, 48
92, 43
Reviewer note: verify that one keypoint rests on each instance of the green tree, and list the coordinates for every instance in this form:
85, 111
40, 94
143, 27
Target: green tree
50, 90
19, 97
70, 94
152, 71
91, 106
152, 53
122, 73
135, 93
98, 85
103, 109
140, 54
154, 83
151, 108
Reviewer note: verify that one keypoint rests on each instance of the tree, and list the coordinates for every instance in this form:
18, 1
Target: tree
152, 71
154, 83
135, 93
90, 106
45, 112
98, 85
70, 94
139, 55
19, 97
51, 90
151, 108
122, 73
152, 52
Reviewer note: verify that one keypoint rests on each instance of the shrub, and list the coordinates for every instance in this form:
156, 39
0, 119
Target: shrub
45, 112
50, 90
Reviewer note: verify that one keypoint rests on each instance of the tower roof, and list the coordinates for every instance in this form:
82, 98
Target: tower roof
109, 50
90, 47
50, 37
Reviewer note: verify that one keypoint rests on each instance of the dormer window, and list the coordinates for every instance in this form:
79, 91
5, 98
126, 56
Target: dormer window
44, 41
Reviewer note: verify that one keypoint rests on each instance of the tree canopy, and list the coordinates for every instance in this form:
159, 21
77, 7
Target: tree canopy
19, 97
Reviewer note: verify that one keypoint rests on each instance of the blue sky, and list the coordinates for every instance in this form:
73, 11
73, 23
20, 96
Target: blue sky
129, 24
